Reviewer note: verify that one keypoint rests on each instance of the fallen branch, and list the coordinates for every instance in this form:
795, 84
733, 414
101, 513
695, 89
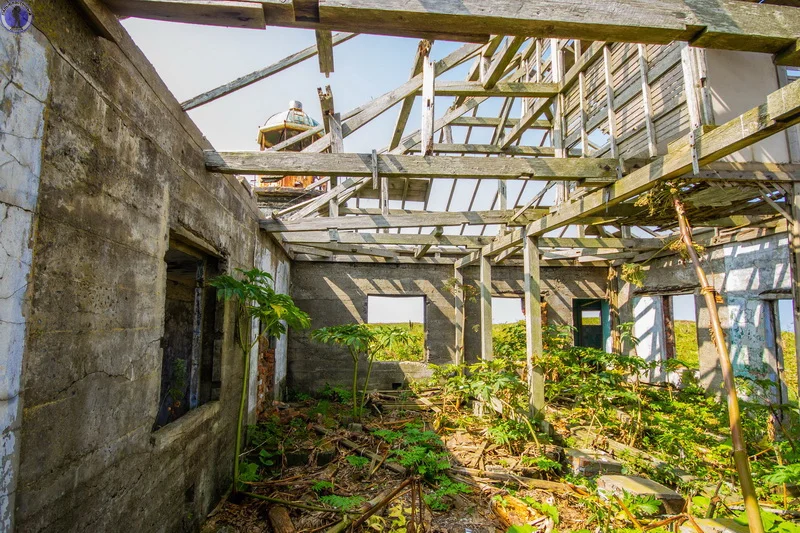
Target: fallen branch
279, 518
298, 505
509, 477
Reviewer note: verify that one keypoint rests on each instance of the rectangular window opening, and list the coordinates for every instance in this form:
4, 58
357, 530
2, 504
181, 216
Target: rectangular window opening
403, 312
592, 322
680, 329
190, 352
507, 310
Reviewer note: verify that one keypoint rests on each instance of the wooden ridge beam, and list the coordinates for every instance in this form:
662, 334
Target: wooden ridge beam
721, 24
405, 166
211, 13
466, 241
493, 122
527, 89
537, 151
370, 222
410, 239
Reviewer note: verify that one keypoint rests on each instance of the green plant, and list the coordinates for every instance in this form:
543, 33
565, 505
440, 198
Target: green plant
321, 486
356, 338
344, 503
436, 499
361, 339
357, 461
256, 300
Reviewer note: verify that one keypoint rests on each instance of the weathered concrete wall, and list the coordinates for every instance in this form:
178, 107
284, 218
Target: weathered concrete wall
745, 273
122, 169
336, 293
23, 76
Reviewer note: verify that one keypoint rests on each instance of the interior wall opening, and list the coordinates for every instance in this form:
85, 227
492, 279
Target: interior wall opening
403, 312
680, 325
591, 322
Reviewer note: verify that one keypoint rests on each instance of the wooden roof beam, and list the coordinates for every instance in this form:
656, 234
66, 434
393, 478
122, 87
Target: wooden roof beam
405, 166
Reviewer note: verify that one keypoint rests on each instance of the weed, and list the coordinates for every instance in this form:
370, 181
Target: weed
357, 461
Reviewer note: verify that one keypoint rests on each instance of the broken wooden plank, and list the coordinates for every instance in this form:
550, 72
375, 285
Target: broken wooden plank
258, 75
325, 51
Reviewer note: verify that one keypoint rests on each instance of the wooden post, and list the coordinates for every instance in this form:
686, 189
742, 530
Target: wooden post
337, 147
325, 51
557, 68
486, 308
794, 261
533, 325
428, 77
459, 316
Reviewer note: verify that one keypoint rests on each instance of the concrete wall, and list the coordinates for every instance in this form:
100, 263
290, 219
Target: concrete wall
746, 274
337, 293
121, 170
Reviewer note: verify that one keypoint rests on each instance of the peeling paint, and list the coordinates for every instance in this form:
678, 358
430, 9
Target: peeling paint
24, 85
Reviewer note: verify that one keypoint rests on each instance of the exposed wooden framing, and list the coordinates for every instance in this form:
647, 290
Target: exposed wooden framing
492, 122
465, 241
633, 90
503, 88
690, 87
730, 25
369, 222
402, 166
325, 48
485, 290
236, 14
423, 248
781, 110
647, 101
535, 151
337, 146
428, 109
258, 75
500, 62
533, 325
458, 304
384, 102
410, 239
423, 51
610, 108
526, 121
584, 114
347, 250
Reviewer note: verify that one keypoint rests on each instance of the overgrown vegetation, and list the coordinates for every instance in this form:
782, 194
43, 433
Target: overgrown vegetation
591, 396
362, 339
258, 302
412, 350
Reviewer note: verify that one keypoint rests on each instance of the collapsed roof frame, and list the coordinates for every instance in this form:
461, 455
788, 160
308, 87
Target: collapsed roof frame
593, 192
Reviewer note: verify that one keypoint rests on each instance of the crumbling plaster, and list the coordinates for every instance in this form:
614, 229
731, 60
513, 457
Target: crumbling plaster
745, 274
25, 87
